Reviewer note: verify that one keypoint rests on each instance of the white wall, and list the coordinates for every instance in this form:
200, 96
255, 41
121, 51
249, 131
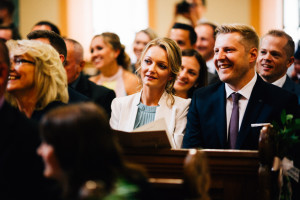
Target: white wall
79, 20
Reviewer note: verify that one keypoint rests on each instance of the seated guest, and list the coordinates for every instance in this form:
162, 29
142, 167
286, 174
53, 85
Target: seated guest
140, 41
7, 10
159, 65
275, 56
184, 35
221, 114
193, 74
37, 80
77, 80
56, 41
110, 58
19, 140
8, 33
206, 37
78, 146
46, 25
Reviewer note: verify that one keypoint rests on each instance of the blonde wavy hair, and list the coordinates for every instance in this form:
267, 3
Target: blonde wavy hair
173, 57
49, 74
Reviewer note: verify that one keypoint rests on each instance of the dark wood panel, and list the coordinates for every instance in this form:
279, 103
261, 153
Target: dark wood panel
234, 174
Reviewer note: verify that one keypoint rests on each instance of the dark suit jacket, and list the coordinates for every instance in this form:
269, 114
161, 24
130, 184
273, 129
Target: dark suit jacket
293, 87
21, 169
76, 97
206, 120
97, 93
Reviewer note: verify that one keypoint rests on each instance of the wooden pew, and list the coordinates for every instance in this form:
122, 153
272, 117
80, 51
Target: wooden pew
234, 173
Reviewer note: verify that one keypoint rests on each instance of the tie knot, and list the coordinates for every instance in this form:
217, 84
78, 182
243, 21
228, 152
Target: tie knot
235, 97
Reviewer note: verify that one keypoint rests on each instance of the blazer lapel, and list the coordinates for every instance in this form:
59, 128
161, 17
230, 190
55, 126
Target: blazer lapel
163, 110
220, 104
252, 113
288, 84
132, 112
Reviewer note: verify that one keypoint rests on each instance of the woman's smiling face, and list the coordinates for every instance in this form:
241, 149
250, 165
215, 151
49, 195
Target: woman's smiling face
21, 74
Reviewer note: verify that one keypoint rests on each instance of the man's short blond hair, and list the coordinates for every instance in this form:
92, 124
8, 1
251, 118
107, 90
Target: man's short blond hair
250, 38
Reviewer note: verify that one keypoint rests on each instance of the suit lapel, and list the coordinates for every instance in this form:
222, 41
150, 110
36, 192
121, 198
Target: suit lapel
220, 104
82, 85
252, 113
288, 84
132, 112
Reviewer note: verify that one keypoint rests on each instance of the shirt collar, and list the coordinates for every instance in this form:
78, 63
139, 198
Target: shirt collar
245, 91
280, 81
211, 65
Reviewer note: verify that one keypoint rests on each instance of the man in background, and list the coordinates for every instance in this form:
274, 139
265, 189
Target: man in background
184, 35
7, 9
58, 43
46, 25
78, 81
275, 56
206, 37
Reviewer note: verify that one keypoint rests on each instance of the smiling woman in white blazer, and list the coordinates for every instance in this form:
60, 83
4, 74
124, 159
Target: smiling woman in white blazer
159, 65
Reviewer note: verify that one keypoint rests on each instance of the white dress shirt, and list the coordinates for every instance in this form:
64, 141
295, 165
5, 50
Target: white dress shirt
246, 93
280, 81
211, 66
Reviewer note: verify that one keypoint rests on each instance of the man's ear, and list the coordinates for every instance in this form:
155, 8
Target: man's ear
290, 61
62, 58
81, 65
253, 52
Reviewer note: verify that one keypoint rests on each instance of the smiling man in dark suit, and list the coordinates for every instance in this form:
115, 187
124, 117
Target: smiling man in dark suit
78, 81
215, 120
275, 56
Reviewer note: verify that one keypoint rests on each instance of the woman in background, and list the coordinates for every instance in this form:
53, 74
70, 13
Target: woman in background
78, 147
193, 74
140, 41
37, 80
110, 58
159, 64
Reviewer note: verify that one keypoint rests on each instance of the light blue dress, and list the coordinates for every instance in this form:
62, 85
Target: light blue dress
145, 115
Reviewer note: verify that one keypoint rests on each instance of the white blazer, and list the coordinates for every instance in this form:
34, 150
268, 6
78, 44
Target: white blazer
124, 111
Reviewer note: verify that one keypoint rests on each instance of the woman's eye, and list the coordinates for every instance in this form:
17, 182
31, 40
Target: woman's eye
22, 61
163, 66
192, 73
147, 61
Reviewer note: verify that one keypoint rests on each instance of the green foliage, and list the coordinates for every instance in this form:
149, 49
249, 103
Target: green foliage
286, 134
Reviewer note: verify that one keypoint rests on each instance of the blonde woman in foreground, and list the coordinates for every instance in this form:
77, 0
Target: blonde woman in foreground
37, 80
159, 65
